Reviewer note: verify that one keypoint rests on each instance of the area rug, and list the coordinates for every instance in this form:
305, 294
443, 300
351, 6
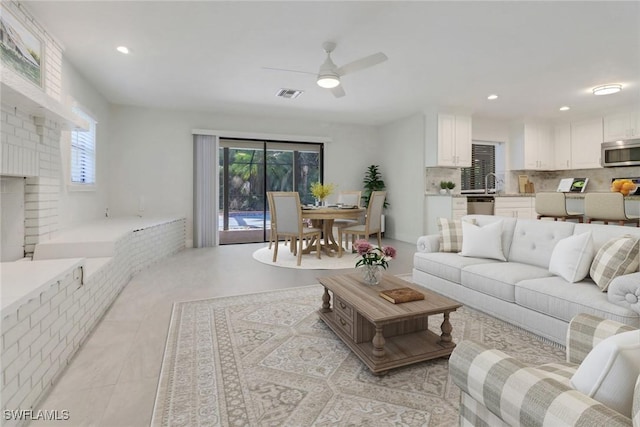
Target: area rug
267, 360
309, 262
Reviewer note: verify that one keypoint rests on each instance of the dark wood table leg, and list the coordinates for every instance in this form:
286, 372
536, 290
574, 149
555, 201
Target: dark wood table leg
445, 337
326, 301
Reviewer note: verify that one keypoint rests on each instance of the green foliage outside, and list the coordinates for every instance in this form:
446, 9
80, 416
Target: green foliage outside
246, 176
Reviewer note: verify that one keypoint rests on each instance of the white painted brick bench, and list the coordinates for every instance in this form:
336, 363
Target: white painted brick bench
49, 306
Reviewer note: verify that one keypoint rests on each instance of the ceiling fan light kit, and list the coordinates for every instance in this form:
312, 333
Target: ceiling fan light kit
328, 77
328, 81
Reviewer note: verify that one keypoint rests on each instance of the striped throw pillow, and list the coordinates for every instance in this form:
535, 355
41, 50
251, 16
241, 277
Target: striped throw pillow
451, 234
615, 258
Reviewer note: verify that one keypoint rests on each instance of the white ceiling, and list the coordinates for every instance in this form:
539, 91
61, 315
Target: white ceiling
208, 55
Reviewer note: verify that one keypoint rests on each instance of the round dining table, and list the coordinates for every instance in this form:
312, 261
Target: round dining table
323, 217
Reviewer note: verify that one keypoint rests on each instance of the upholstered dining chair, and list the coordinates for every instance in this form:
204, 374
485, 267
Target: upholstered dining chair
554, 205
372, 223
608, 207
286, 217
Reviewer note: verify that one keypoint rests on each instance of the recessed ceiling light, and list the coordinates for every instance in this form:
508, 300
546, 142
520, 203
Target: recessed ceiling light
123, 49
492, 97
607, 89
565, 108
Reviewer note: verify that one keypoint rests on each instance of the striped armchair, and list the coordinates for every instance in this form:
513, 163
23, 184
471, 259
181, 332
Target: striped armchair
498, 390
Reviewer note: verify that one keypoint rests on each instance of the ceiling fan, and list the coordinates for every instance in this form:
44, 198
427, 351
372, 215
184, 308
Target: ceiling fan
329, 74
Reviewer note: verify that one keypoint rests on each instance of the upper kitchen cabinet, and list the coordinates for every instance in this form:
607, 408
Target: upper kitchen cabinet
532, 147
622, 126
586, 141
562, 146
447, 140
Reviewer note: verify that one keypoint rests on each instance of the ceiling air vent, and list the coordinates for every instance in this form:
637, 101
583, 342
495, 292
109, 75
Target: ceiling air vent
289, 93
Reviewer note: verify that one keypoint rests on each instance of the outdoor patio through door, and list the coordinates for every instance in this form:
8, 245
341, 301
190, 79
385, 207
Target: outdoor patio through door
248, 169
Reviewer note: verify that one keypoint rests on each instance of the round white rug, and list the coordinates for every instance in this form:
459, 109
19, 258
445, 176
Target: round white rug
309, 262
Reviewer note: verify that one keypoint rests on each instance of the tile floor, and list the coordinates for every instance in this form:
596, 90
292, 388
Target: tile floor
112, 379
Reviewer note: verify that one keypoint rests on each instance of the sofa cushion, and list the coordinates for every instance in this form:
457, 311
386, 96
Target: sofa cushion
445, 265
498, 279
482, 242
601, 233
572, 256
534, 240
617, 257
609, 372
556, 297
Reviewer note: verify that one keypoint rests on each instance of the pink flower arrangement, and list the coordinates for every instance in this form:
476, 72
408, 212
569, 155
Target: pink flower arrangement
373, 255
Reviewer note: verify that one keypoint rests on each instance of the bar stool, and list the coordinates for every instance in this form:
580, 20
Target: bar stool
554, 205
608, 207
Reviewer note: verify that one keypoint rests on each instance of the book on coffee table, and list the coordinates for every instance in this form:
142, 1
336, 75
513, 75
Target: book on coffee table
400, 295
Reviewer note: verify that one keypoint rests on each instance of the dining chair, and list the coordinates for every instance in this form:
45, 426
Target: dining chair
372, 223
349, 198
286, 217
608, 207
554, 205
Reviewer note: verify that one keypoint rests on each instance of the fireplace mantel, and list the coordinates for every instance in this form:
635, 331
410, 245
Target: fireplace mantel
28, 97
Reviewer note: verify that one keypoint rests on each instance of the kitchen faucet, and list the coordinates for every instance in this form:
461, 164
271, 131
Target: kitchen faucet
486, 181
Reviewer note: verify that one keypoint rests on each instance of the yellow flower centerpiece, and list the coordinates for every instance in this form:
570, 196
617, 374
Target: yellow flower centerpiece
321, 191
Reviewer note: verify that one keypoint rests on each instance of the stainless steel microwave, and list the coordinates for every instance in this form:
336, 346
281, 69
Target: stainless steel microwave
621, 153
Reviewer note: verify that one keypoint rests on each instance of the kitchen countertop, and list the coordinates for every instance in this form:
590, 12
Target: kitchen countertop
569, 195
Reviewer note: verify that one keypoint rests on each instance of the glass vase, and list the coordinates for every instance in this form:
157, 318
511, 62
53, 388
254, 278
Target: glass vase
371, 274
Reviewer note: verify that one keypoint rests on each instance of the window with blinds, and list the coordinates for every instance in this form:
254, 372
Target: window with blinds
483, 161
83, 152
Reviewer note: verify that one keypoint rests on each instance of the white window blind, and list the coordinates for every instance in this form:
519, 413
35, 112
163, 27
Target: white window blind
83, 152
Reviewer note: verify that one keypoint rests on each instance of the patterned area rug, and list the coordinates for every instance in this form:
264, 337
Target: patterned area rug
267, 360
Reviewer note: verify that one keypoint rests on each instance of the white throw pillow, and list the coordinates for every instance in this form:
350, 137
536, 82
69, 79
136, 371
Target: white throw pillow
608, 374
572, 256
482, 242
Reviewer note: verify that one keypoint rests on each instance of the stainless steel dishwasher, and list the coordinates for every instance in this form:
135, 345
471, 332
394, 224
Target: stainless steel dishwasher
481, 205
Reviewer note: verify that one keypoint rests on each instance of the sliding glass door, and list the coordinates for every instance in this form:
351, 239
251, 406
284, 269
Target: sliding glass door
248, 169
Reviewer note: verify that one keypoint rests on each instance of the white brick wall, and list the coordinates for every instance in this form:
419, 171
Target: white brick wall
39, 339
31, 145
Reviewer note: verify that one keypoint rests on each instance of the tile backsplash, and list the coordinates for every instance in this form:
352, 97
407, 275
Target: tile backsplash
599, 179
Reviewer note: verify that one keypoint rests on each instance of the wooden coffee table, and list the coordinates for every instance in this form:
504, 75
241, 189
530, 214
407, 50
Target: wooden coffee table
382, 334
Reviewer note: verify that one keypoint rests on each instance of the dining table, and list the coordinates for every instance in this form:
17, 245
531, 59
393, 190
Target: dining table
323, 217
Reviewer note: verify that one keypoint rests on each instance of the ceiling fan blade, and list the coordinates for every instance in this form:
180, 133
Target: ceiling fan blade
338, 91
291, 71
361, 64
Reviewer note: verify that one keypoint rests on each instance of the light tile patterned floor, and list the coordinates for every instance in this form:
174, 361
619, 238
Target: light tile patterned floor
111, 382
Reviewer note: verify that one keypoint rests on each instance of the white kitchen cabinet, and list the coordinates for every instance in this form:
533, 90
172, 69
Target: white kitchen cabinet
562, 146
622, 126
586, 142
515, 207
532, 147
447, 140
458, 207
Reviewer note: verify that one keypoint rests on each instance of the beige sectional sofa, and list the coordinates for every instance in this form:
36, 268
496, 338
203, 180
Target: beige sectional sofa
521, 290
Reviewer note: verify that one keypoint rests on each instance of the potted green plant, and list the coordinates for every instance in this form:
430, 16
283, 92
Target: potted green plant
450, 186
443, 187
372, 182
